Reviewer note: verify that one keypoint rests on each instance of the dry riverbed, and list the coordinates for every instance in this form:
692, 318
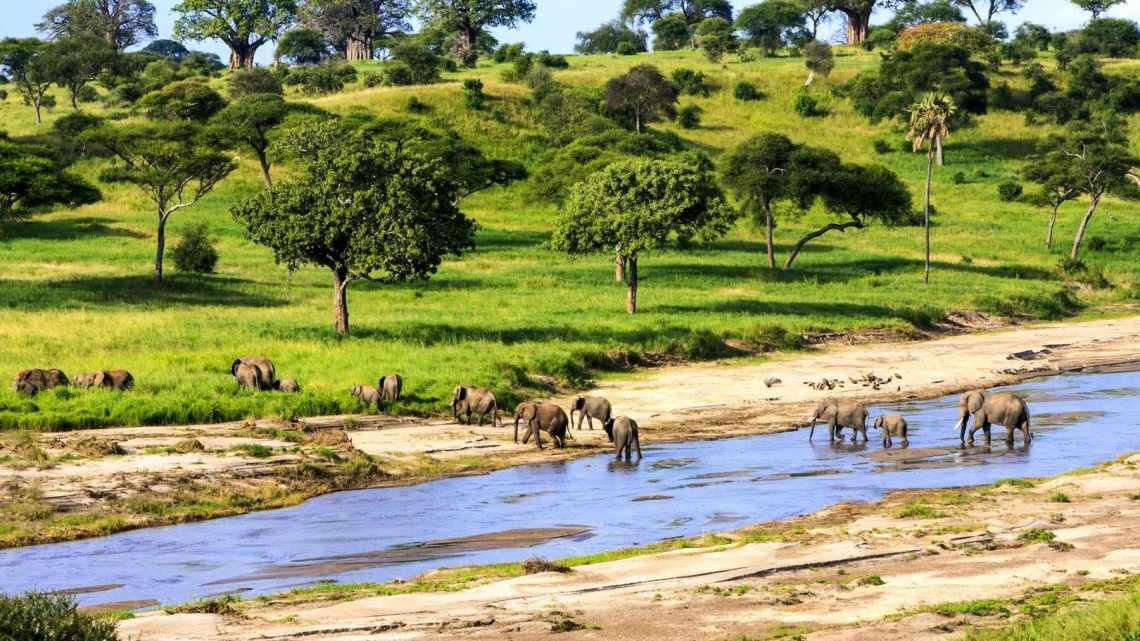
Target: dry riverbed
66, 485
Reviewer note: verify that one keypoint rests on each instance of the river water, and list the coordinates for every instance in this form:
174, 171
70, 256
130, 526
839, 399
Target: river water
677, 490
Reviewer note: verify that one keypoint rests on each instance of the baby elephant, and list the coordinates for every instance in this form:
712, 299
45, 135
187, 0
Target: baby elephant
391, 387
368, 394
244, 369
287, 385
543, 417
892, 426
30, 382
591, 407
475, 400
624, 435
117, 379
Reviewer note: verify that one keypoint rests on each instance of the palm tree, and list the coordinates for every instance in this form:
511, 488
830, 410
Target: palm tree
929, 124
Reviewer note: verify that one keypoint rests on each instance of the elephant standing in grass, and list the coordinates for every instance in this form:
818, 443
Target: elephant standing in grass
248, 375
623, 433
119, 380
368, 394
391, 387
475, 400
892, 426
543, 417
840, 414
267, 373
288, 385
589, 408
1001, 408
33, 381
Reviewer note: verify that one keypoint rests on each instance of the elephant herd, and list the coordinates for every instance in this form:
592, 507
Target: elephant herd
987, 409
30, 382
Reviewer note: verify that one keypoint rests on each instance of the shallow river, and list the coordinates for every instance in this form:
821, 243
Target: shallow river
677, 490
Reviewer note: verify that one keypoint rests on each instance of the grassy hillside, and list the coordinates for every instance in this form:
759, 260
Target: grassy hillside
75, 289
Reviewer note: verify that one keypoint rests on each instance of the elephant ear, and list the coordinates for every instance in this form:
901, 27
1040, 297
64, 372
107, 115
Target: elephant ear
974, 401
380, 383
460, 393
234, 366
99, 379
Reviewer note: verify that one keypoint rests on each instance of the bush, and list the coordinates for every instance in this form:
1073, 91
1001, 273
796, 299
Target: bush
1097, 243
422, 63
183, 100
626, 48
398, 74
690, 82
1010, 191
807, 106
553, 61
473, 94
960, 178
48, 617
126, 94
509, 52
194, 252
1112, 37
539, 78
75, 123
747, 92
321, 79
87, 94
417, 106
882, 146
3, 95
947, 33
248, 82
689, 117
373, 79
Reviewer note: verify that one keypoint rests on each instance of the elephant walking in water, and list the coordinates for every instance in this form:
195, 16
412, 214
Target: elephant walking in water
623, 433
840, 414
1001, 408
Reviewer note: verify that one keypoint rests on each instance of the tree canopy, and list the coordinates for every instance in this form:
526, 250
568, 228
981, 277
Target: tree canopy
985, 10
71, 63
25, 61
243, 25
303, 46
641, 96
356, 28
120, 23
608, 38
773, 24
906, 76
694, 11
467, 20
31, 176
248, 122
1097, 7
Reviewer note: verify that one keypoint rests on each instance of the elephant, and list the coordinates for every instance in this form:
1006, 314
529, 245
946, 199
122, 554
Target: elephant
892, 426
591, 407
1001, 408
840, 414
475, 400
33, 381
368, 394
391, 387
287, 385
119, 380
623, 434
248, 375
543, 417
267, 372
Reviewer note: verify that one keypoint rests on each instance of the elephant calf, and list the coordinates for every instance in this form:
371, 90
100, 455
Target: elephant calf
589, 408
119, 380
391, 387
33, 381
840, 414
287, 385
892, 426
543, 417
475, 400
623, 434
265, 378
368, 394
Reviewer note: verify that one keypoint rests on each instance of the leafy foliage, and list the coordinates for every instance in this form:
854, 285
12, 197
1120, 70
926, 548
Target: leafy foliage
251, 82
321, 79
194, 252
641, 96
25, 62
610, 37
715, 36
567, 165
904, 77
119, 23
944, 33
41, 616
30, 177
244, 25
190, 100
303, 46
467, 20
773, 24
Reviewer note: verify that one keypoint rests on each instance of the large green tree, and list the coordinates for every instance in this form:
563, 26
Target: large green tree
356, 27
636, 206
250, 122
467, 20
31, 177
985, 10
173, 163
763, 171
25, 62
243, 25
694, 11
1060, 183
1097, 7
772, 24
642, 95
361, 204
74, 62
120, 23
609, 37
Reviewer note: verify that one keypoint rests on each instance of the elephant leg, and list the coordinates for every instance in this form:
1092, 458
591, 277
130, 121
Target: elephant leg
589, 422
637, 443
833, 431
987, 428
537, 435
581, 415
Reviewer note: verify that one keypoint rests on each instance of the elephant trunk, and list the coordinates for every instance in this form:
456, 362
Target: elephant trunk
811, 434
961, 426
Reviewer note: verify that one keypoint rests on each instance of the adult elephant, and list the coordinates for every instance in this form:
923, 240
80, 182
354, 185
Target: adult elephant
589, 408
623, 433
33, 381
391, 387
267, 373
119, 380
543, 417
840, 414
1001, 408
247, 375
474, 400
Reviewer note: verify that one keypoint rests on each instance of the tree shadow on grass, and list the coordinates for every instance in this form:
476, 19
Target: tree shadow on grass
70, 229
493, 239
128, 291
1009, 148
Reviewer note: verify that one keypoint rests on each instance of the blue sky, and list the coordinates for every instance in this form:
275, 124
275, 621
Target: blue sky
556, 23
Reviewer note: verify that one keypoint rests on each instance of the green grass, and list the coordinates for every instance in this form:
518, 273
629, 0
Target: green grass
918, 510
1036, 535
75, 288
1112, 619
980, 608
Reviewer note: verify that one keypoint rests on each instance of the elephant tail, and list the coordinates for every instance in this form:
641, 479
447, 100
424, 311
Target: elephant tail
1028, 428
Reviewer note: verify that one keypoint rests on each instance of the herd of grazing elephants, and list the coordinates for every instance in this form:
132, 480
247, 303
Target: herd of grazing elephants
259, 373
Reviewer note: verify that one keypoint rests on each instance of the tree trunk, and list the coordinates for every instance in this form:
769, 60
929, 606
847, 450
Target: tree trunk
464, 47
340, 301
941, 153
1076, 253
631, 296
242, 56
858, 25
841, 227
160, 250
359, 47
619, 268
637, 121
1052, 223
769, 237
38, 104
263, 159
75, 100
926, 214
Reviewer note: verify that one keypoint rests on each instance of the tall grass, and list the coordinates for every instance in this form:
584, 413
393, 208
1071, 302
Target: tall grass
75, 291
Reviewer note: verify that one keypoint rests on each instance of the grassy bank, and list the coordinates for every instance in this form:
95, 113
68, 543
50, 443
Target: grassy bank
75, 288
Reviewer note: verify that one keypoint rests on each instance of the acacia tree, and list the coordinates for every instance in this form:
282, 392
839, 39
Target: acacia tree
1059, 184
1097, 7
985, 10
71, 63
171, 162
694, 11
772, 23
930, 121
363, 206
25, 62
762, 171
355, 26
244, 25
816, 12
249, 121
119, 23
469, 19
642, 94
641, 205
30, 177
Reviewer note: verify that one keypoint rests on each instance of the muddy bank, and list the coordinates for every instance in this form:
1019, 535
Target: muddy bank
85, 488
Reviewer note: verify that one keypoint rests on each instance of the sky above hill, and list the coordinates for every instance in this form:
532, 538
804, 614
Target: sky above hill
557, 21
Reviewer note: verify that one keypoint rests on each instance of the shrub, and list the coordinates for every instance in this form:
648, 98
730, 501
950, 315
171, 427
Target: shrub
1112, 37
807, 106
1010, 191
882, 146
538, 78
87, 94
398, 74
508, 52
552, 61
747, 92
125, 94
690, 82
626, 48
373, 79
689, 117
949, 33
183, 100
194, 252
882, 38
1096, 243
75, 123
3, 95
473, 94
321, 79
36, 616
960, 178
247, 82
417, 106
423, 63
